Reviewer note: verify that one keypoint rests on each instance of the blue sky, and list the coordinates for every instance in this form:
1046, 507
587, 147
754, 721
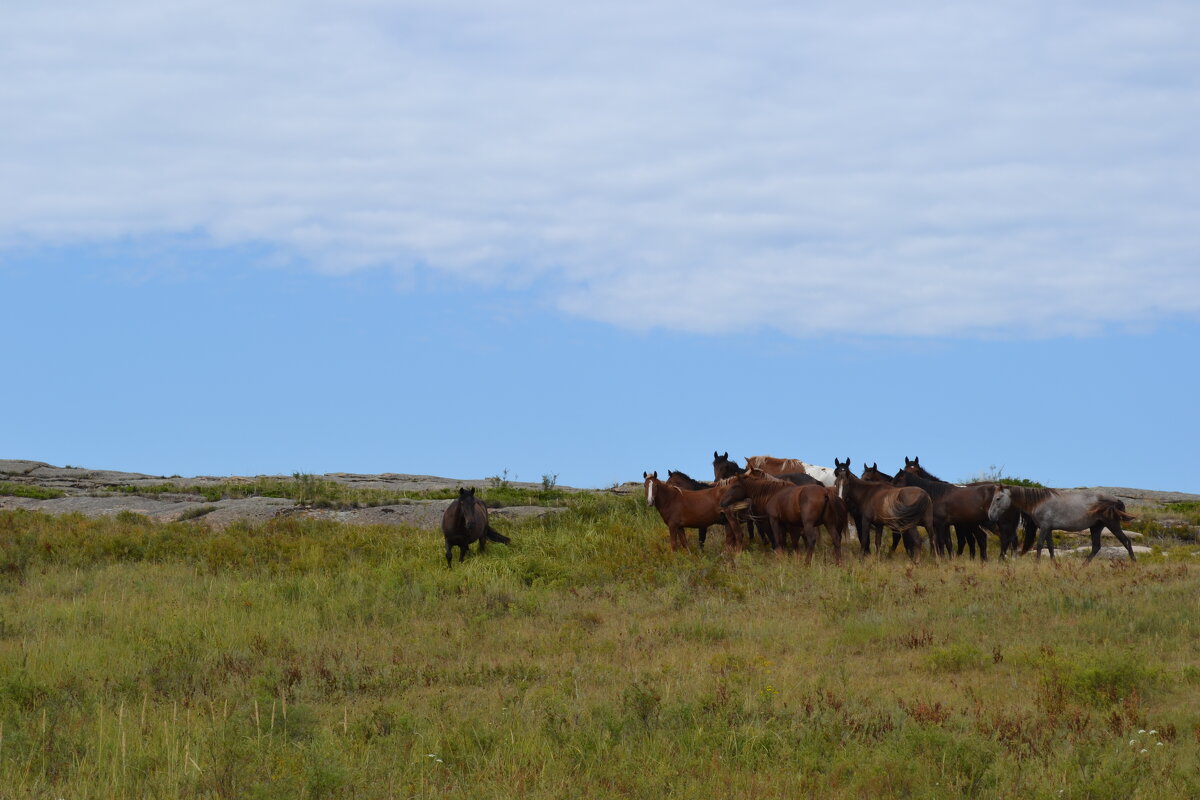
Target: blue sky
459, 238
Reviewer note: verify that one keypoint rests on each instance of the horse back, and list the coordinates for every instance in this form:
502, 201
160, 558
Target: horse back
775, 466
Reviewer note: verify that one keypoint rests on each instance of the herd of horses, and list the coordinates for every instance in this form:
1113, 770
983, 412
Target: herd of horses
787, 501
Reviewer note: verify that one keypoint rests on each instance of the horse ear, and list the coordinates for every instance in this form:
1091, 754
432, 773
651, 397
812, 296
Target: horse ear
726, 456
715, 456
875, 465
472, 491
645, 475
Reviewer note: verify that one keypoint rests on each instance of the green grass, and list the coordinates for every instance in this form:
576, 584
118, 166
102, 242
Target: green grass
304, 658
27, 490
317, 492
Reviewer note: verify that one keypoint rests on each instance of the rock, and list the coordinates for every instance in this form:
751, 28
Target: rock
1112, 552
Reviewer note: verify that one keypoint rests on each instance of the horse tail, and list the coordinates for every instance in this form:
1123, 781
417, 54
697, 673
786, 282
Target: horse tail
495, 536
1112, 511
914, 512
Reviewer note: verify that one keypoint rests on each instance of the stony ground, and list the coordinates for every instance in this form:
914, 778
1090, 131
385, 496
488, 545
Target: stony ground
95, 493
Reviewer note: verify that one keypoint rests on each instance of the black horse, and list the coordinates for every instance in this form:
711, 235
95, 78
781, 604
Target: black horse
465, 521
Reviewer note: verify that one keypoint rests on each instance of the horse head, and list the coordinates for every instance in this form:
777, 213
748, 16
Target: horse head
873, 473
841, 473
1001, 502
649, 479
723, 467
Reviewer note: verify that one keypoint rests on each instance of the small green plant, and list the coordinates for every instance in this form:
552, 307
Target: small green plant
499, 481
25, 490
549, 481
994, 474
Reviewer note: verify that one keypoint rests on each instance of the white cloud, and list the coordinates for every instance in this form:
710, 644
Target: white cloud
999, 170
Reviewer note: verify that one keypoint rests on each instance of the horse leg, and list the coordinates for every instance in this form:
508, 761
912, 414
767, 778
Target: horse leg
778, 535
1119, 532
864, 535
982, 538
1046, 539
1097, 527
810, 542
835, 538
449, 555
703, 535
911, 542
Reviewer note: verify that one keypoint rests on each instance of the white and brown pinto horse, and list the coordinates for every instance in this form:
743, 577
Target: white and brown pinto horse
782, 466
681, 508
1065, 510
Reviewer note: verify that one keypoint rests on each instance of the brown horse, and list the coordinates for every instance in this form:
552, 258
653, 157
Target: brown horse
680, 509
873, 473
465, 521
1005, 527
964, 507
877, 504
791, 510
724, 467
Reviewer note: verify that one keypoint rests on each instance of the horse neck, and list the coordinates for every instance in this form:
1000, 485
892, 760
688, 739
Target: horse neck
1027, 498
933, 487
665, 495
759, 489
925, 474
858, 490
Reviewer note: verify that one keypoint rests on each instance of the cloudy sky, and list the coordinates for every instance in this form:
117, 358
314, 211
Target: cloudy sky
596, 238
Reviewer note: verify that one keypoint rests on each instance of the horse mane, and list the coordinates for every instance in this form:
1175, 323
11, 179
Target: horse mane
692, 482
932, 486
924, 473
1030, 495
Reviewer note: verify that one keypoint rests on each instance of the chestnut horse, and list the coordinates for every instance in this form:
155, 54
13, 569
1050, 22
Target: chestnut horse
877, 504
724, 467
681, 508
780, 466
792, 510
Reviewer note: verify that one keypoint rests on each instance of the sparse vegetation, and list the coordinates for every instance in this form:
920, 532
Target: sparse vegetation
304, 658
994, 474
318, 492
29, 490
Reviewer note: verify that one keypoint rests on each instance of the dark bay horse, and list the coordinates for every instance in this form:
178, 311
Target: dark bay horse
724, 467
877, 504
873, 473
681, 508
792, 511
465, 521
1066, 510
1005, 527
964, 507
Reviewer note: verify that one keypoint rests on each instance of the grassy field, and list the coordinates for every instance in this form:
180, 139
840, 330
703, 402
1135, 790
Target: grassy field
311, 659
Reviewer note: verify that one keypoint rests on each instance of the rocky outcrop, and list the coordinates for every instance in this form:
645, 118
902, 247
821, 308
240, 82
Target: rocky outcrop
101, 493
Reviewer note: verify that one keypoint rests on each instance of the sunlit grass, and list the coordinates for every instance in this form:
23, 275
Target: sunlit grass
311, 659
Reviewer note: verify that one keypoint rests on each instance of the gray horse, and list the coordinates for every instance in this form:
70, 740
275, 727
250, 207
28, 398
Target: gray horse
1065, 510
